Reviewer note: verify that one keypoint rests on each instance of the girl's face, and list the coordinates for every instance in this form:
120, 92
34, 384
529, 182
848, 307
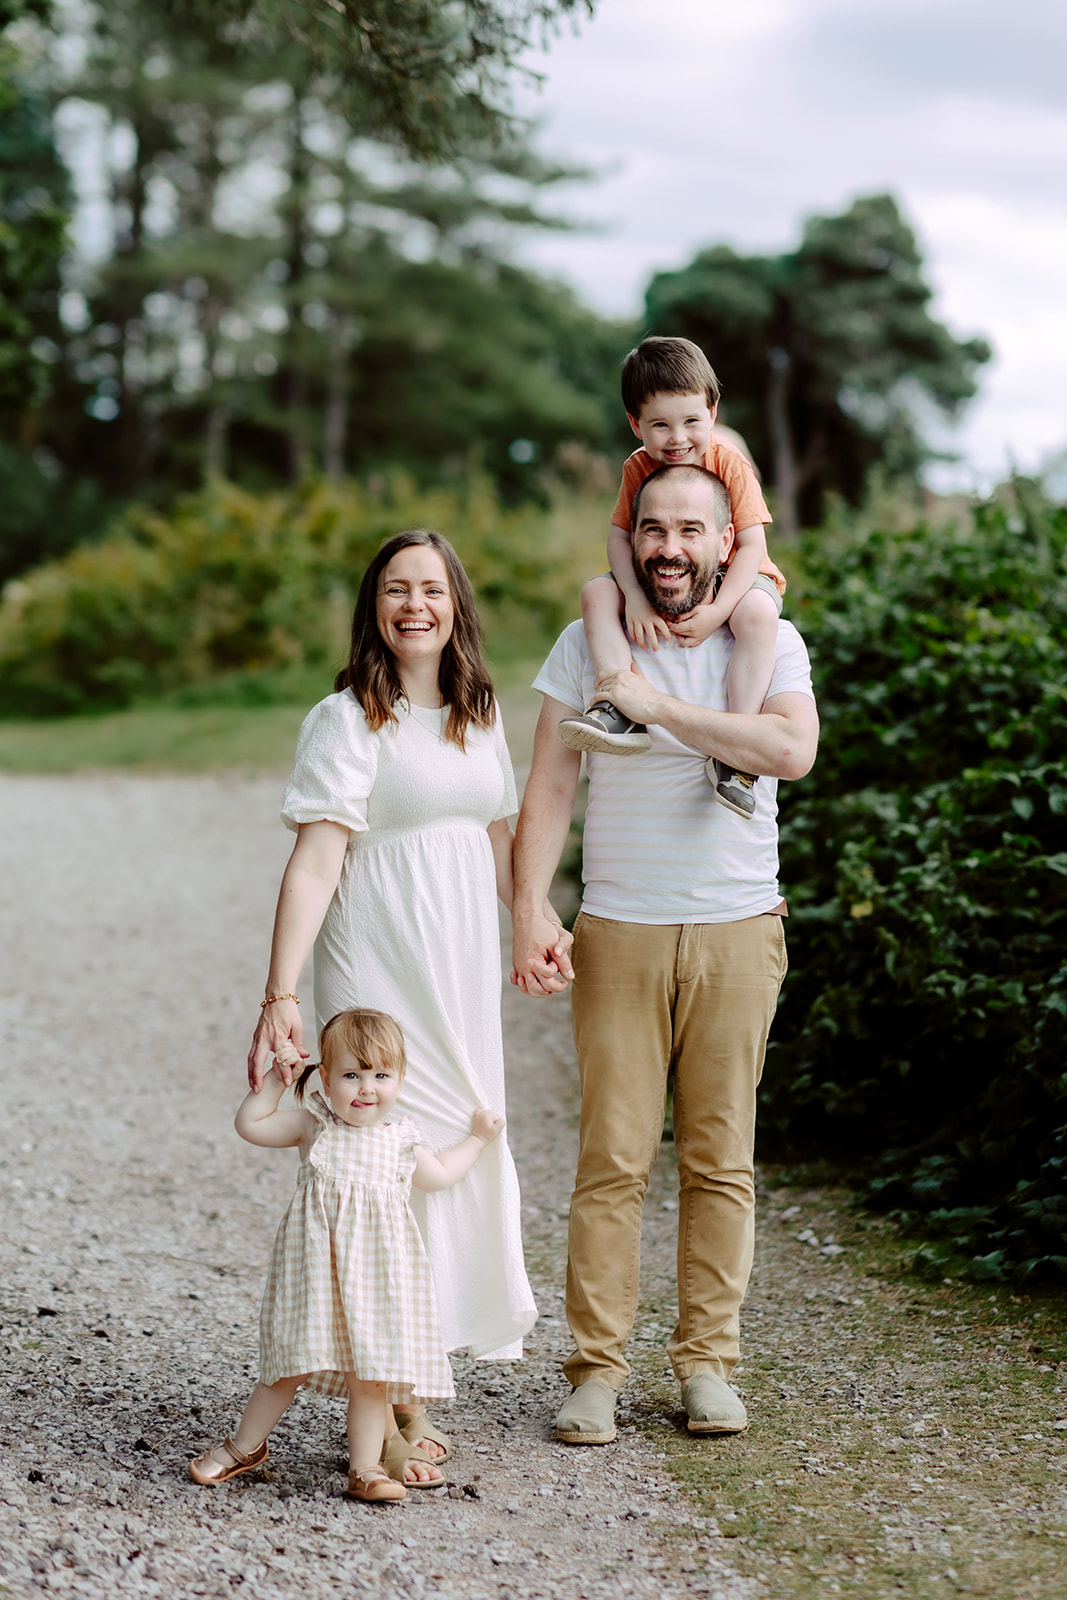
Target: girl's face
360, 1095
415, 612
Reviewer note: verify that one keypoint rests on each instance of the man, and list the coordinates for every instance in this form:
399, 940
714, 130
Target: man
678, 958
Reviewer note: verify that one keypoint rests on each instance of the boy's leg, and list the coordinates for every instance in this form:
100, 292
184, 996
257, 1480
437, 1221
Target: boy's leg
754, 625
602, 728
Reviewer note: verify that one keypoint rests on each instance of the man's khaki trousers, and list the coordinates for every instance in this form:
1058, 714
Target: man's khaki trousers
698, 998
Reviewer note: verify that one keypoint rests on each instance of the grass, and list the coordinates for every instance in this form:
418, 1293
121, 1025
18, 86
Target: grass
903, 1438
172, 737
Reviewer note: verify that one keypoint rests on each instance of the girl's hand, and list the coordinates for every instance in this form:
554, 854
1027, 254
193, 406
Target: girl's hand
644, 626
487, 1125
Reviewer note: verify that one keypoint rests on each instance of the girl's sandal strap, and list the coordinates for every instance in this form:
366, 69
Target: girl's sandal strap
251, 1458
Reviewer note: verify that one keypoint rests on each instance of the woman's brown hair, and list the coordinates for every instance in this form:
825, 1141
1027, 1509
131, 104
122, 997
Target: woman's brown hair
462, 677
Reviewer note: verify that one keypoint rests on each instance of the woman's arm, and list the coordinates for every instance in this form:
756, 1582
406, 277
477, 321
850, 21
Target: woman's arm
259, 1121
502, 841
441, 1171
308, 885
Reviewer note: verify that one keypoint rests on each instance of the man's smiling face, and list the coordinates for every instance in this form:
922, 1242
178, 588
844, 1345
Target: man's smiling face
677, 547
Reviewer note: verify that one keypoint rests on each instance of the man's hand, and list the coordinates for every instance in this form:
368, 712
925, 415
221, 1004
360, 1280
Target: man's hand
697, 625
630, 692
540, 959
644, 625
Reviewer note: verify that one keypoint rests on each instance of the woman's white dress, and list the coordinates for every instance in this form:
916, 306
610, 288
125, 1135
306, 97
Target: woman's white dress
412, 930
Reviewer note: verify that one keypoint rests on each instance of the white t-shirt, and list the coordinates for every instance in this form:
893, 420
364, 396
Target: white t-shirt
658, 846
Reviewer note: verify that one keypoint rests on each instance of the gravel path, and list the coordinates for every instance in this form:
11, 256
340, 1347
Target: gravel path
135, 1240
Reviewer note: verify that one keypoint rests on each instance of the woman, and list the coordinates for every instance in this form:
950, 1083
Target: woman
400, 796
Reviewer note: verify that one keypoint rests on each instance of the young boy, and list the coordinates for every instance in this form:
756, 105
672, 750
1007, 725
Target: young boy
671, 396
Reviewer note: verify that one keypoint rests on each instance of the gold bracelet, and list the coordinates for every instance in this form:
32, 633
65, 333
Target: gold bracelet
269, 1001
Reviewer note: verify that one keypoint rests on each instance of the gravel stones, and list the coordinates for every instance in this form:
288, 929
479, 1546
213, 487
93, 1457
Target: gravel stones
136, 1233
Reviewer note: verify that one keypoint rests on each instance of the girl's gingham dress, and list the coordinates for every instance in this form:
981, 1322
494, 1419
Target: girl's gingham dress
349, 1287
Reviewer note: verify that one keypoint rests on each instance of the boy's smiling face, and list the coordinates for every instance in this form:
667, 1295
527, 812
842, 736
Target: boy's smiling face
675, 429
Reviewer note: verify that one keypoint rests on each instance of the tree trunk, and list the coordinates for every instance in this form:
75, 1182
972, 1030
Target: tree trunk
294, 388
336, 418
783, 451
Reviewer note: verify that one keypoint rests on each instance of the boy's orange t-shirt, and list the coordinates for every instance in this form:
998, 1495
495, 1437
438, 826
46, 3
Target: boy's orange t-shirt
746, 500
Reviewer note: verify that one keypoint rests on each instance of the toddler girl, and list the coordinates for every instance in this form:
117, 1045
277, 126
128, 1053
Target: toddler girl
348, 1308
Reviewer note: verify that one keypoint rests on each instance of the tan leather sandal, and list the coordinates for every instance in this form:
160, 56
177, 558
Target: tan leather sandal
374, 1485
396, 1454
242, 1463
419, 1427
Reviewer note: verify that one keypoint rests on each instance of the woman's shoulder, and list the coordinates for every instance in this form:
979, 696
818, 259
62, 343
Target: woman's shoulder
340, 707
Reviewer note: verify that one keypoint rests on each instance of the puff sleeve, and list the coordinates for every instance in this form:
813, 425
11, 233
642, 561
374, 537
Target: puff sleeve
509, 803
334, 768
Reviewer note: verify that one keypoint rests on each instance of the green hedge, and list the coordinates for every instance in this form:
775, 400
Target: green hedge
921, 1034
235, 583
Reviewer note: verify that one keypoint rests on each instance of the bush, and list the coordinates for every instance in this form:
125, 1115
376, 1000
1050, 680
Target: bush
235, 583
922, 1029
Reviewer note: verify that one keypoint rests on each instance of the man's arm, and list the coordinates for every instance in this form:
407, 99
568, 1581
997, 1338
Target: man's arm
541, 833
780, 742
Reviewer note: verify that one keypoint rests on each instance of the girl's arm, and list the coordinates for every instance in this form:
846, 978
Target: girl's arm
441, 1171
259, 1121
643, 624
750, 551
307, 888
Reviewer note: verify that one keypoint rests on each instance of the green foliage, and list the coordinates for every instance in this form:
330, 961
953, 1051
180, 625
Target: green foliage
830, 352
33, 223
235, 585
426, 73
922, 1031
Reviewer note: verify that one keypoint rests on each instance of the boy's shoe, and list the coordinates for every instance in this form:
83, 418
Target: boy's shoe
604, 730
734, 790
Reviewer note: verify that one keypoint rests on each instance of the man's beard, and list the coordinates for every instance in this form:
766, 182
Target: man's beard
677, 603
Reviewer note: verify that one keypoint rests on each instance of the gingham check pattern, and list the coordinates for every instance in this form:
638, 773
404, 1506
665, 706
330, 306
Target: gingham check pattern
349, 1286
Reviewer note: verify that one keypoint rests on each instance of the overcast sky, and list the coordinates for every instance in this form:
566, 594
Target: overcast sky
715, 122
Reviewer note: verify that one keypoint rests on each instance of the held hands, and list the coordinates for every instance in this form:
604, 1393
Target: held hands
487, 1125
644, 626
540, 956
697, 625
279, 1032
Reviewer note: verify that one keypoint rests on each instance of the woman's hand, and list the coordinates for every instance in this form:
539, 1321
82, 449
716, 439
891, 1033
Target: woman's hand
279, 1032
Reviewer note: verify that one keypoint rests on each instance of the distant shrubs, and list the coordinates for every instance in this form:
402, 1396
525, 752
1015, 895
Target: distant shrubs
922, 1032
232, 583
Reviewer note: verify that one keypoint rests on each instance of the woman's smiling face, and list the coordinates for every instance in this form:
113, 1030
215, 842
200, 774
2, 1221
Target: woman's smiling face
415, 611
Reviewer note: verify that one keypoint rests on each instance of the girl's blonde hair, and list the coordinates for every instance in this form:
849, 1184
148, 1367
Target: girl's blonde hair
372, 1037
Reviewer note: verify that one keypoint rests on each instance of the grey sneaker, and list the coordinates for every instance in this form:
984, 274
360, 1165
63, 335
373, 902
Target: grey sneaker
606, 731
734, 790
711, 1406
588, 1416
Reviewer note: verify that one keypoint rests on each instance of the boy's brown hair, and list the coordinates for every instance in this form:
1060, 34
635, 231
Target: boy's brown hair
661, 365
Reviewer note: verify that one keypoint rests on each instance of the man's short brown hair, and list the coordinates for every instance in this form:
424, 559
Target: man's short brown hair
722, 510
660, 365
